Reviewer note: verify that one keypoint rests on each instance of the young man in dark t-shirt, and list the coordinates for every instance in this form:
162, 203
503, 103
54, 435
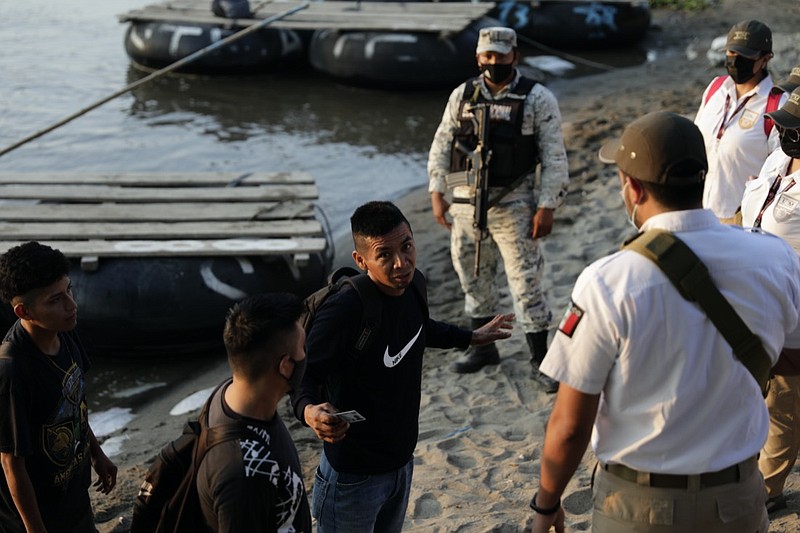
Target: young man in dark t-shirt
46, 444
255, 483
364, 477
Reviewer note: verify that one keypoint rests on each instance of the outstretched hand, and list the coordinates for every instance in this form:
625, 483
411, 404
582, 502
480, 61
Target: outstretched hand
497, 328
328, 427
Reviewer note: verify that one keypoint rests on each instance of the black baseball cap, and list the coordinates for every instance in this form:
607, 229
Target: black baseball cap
749, 38
788, 116
658, 148
791, 83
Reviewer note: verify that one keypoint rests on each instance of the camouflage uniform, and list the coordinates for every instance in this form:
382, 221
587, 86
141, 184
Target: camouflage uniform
510, 221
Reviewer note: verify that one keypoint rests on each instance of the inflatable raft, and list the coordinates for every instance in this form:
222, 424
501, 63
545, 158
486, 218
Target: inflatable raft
157, 259
396, 59
173, 306
574, 24
156, 44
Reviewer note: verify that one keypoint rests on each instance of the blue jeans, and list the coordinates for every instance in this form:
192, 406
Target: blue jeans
360, 503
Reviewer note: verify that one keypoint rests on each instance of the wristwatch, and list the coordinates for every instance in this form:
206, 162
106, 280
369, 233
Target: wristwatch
545, 511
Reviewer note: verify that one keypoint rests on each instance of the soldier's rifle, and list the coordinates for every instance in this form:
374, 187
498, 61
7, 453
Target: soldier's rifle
476, 176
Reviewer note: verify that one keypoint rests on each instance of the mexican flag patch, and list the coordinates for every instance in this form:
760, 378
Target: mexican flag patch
572, 318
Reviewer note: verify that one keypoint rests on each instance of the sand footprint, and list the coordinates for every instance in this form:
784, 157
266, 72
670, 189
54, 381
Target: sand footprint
427, 506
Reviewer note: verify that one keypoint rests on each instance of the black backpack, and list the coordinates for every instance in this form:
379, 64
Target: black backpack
167, 501
370, 299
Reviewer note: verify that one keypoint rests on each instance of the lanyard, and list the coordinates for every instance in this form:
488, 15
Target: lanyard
770, 198
725, 121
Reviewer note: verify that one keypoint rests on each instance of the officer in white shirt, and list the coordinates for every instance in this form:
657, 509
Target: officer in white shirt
731, 118
674, 418
772, 202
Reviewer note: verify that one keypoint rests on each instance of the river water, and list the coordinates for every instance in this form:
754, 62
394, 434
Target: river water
59, 57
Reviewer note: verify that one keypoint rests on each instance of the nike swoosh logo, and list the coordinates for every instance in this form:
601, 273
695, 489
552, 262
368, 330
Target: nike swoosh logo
392, 361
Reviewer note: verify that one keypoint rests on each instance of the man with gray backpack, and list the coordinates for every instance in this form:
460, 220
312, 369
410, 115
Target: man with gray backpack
236, 468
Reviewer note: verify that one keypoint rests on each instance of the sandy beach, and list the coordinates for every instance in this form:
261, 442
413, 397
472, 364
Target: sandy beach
480, 441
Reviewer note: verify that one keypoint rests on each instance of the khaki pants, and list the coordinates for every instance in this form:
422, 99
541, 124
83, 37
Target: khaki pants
780, 451
622, 506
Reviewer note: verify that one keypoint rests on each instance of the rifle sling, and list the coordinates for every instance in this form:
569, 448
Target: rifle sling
496, 197
690, 276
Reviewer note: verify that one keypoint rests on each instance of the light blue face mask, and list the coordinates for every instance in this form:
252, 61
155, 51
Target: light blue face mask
631, 217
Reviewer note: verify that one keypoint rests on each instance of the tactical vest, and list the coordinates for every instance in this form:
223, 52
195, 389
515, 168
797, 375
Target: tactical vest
513, 154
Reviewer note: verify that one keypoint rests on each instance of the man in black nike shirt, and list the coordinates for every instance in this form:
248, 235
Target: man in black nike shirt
364, 477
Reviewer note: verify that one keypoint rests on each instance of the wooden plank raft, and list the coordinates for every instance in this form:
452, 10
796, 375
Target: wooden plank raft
91, 216
441, 17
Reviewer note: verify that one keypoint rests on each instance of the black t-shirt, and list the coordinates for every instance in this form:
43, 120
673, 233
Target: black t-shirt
255, 483
44, 418
383, 383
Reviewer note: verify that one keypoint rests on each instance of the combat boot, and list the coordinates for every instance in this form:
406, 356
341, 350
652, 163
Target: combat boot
477, 357
537, 343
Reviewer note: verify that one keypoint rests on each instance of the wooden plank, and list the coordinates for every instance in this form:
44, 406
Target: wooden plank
100, 193
159, 230
164, 179
182, 248
38, 212
387, 16
365, 25
421, 23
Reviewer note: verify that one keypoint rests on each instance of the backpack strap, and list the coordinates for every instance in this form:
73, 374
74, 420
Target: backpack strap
690, 276
773, 102
372, 310
207, 438
716, 83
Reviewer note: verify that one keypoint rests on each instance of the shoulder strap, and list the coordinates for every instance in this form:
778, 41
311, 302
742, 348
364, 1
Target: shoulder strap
371, 304
524, 86
420, 286
773, 102
187, 517
714, 87
690, 276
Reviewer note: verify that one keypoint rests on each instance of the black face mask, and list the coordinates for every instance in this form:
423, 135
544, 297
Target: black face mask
790, 142
298, 372
497, 73
740, 68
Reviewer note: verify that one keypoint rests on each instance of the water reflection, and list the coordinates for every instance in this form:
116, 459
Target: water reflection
301, 103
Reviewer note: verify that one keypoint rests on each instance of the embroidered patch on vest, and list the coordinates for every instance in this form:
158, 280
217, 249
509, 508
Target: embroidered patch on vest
572, 318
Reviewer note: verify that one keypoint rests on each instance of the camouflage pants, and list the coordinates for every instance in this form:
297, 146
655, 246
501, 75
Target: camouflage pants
509, 225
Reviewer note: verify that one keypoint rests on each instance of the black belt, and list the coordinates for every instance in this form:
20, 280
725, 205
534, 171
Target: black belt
732, 474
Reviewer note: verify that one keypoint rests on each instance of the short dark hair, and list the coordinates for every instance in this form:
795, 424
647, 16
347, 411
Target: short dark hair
256, 328
675, 198
30, 266
376, 219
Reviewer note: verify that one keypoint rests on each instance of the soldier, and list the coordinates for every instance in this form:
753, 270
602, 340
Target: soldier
524, 130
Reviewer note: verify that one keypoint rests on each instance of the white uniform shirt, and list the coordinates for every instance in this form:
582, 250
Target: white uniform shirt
743, 147
674, 397
782, 215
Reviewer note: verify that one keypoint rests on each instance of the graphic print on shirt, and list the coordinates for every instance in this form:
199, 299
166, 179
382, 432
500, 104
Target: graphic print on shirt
391, 361
257, 458
62, 434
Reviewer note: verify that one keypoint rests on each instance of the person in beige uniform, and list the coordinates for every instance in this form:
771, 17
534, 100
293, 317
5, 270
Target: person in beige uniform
674, 417
772, 202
